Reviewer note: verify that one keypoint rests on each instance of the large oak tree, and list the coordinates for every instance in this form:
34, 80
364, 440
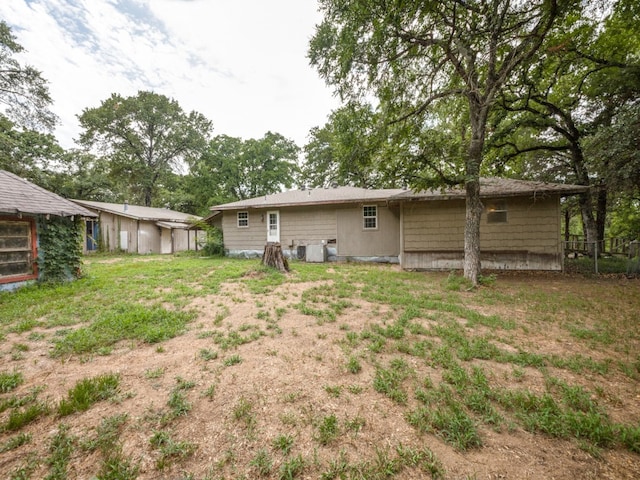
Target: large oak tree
414, 54
145, 138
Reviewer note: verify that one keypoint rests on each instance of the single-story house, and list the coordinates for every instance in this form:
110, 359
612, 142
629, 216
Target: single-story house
520, 226
137, 229
40, 233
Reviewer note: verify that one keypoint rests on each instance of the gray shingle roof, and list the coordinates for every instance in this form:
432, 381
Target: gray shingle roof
18, 195
139, 212
317, 196
489, 187
497, 187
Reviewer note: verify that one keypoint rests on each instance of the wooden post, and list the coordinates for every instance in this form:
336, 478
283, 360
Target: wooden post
273, 257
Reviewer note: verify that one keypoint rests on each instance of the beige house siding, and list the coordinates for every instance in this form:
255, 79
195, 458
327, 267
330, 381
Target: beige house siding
433, 235
338, 227
356, 241
250, 238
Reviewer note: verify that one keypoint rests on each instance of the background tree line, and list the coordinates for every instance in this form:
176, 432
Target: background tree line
434, 93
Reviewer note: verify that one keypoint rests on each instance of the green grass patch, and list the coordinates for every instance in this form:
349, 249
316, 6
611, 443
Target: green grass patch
124, 322
88, 392
10, 381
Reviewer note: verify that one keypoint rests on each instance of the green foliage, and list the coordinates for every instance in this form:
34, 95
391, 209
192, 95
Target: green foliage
121, 322
214, 244
18, 418
15, 442
89, 391
284, 443
10, 381
60, 250
328, 430
144, 137
60, 450
237, 169
170, 450
262, 463
22, 88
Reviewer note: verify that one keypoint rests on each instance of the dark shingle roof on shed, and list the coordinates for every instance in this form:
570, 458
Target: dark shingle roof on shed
18, 195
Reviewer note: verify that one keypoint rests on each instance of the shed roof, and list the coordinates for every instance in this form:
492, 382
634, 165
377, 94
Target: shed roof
138, 212
317, 196
18, 195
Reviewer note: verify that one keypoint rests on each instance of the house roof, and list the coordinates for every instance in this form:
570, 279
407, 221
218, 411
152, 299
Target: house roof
497, 187
138, 212
18, 195
489, 187
317, 196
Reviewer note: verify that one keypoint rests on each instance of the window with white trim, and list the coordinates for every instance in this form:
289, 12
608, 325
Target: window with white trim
17, 250
243, 219
370, 217
497, 212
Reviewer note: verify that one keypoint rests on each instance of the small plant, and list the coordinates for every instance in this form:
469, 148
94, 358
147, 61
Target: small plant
291, 468
15, 442
355, 389
87, 392
334, 391
207, 354
243, 412
10, 381
353, 365
355, 424
262, 462
154, 373
209, 392
60, 450
232, 360
178, 404
19, 418
328, 430
284, 443
170, 449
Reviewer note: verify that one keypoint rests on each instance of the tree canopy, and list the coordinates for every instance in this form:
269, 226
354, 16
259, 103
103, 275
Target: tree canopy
145, 138
414, 55
23, 90
236, 169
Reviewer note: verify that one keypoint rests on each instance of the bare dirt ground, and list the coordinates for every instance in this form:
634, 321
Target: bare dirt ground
283, 378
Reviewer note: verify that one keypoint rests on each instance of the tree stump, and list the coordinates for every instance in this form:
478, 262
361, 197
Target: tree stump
273, 257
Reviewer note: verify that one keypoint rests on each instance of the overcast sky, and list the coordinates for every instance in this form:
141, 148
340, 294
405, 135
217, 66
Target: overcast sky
241, 63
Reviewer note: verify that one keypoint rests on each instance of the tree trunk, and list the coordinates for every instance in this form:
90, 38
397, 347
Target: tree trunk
472, 231
273, 257
601, 216
474, 205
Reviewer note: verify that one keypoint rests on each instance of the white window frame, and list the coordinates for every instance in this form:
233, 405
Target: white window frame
366, 215
497, 212
239, 220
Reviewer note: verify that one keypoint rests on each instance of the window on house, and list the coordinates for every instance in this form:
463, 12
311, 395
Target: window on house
370, 217
497, 212
17, 252
243, 219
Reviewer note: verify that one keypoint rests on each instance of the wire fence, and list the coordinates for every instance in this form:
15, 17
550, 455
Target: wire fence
622, 256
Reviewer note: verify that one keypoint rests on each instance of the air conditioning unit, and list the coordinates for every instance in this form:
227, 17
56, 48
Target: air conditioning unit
316, 253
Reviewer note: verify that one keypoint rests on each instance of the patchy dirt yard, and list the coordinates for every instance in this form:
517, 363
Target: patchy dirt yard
271, 392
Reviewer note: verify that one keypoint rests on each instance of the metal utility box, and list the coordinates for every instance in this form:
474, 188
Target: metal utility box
316, 254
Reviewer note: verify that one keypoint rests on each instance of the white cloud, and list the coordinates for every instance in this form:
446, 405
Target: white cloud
241, 63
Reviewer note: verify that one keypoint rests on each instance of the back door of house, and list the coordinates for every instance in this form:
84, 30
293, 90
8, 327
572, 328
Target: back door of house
273, 226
